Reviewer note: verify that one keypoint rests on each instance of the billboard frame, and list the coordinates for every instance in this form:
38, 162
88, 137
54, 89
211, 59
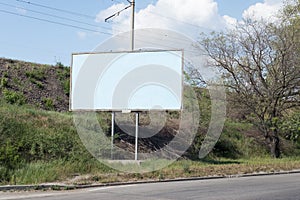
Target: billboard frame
180, 51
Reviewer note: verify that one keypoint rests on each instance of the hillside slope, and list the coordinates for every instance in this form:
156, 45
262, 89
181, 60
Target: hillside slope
42, 86
46, 87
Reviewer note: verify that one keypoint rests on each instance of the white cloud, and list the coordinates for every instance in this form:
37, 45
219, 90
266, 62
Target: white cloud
186, 16
266, 10
230, 21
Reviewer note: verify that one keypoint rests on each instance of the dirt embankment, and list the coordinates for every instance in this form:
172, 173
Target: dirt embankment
42, 86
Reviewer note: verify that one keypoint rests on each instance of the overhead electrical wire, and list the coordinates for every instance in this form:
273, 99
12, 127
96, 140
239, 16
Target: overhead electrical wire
168, 17
65, 24
58, 23
55, 16
91, 17
55, 22
57, 9
82, 28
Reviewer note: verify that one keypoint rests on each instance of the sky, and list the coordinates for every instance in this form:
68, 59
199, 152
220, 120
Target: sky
49, 31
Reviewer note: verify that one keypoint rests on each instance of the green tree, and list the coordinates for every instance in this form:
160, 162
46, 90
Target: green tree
261, 67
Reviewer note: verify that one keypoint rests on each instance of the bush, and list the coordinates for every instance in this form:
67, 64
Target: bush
49, 104
9, 161
30, 136
66, 85
13, 97
290, 126
36, 74
4, 82
64, 76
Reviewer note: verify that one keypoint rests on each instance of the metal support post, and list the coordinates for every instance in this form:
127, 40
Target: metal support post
136, 135
112, 134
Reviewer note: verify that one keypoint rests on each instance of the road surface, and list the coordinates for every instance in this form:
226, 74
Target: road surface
281, 187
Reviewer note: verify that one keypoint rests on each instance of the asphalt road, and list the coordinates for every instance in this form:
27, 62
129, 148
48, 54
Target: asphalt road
283, 187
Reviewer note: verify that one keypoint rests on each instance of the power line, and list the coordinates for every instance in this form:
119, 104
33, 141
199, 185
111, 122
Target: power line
69, 25
79, 27
54, 22
55, 16
91, 17
163, 16
59, 17
84, 15
57, 9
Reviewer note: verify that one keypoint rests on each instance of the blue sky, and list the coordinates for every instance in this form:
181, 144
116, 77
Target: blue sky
33, 40
235, 8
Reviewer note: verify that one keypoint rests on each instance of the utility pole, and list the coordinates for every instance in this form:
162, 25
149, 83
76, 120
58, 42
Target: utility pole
132, 5
137, 113
132, 24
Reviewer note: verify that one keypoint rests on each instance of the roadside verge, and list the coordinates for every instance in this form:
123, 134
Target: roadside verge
50, 186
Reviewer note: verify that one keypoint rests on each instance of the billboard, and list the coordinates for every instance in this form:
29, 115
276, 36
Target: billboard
127, 81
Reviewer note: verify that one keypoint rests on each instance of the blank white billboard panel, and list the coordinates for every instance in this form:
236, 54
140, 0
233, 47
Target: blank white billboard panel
136, 81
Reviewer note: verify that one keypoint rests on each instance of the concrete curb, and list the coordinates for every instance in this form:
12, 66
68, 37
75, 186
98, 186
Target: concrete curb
73, 187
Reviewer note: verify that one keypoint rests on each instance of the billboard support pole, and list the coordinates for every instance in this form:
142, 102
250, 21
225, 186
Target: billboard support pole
132, 4
112, 134
136, 135
137, 113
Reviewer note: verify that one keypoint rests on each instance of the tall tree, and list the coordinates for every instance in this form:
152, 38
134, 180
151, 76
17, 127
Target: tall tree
261, 67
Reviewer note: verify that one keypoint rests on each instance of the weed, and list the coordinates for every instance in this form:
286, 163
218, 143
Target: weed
66, 86
186, 168
95, 178
4, 82
36, 74
48, 102
16, 81
63, 74
13, 97
59, 64
161, 176
5, 74
38, 83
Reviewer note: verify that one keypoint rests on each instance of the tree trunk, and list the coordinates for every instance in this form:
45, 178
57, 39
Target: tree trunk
274, 146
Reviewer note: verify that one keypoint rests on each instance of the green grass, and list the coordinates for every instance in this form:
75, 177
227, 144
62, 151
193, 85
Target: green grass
96, 172
58, 170
234, 143
38, 146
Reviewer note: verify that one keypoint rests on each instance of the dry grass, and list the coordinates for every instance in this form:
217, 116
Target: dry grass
186, 169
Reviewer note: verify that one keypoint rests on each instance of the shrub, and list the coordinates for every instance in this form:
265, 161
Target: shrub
67, 87
59, 64
13, 97
48, 102
64, 76
4, 82
290, 126
36, 74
